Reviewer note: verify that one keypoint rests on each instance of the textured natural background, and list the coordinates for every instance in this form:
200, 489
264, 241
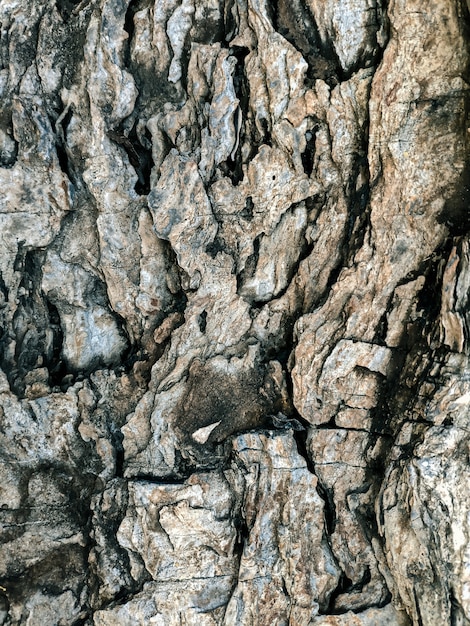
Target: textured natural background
234, 313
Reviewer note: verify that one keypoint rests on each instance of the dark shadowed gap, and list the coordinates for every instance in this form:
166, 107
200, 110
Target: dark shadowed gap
140, 156
66, 7
55, 364
308, 155
61, 146
251, 263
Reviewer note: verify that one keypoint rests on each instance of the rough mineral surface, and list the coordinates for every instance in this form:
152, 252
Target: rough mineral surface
234, 313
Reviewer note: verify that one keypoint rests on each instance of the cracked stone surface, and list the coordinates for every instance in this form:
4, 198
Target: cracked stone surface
234, 313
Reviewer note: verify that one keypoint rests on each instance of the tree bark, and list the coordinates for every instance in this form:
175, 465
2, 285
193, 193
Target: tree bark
234, 312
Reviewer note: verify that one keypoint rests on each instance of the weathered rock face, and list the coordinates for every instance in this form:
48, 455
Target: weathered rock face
234, 313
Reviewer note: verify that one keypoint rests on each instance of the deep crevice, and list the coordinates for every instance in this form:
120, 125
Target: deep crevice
344, 585
55, 364
455, 214
66, 8
233, 169
9, 157
117, 439
339, 603
216, 246
231, 26
419, 618
82, 621
414, 359
133, 7
242, 536
301, 440
202, 320
266, 137
247, 212
241, 83
359, 197
129, 27
329, 508
28, 334
3, 289
325, 493
251, 263
233, 166
61, 146
140, 156
457, 613
308, 155
297, 24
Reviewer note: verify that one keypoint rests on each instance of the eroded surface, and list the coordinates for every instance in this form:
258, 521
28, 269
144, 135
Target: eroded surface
234, 282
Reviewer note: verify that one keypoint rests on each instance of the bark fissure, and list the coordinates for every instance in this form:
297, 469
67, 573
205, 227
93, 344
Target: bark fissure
234, 312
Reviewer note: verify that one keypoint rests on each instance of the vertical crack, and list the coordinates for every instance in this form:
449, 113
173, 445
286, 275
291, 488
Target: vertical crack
8, 145
61, 126
55, 364
139, 152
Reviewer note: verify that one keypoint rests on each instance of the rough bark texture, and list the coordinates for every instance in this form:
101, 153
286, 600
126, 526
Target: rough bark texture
234, 306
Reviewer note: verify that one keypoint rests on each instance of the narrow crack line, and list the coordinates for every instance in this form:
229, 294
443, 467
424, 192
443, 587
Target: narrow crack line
32, 523
330, 463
